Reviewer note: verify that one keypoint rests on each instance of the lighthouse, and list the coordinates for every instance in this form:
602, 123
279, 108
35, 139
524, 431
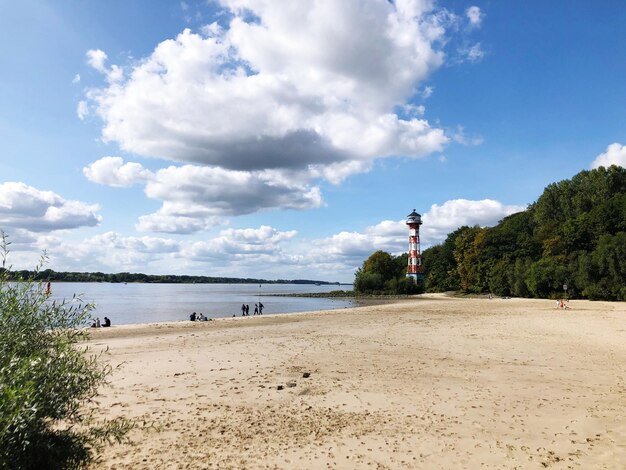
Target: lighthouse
414, 269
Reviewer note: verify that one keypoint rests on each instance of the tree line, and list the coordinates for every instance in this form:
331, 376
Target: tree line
55, 276
574, 235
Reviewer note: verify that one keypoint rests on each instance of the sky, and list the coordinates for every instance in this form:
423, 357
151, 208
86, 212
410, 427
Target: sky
289, 140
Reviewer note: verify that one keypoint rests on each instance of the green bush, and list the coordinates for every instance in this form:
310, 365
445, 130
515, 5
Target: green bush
48, 382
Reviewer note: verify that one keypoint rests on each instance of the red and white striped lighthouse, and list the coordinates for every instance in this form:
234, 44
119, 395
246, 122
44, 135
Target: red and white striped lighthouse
414, 270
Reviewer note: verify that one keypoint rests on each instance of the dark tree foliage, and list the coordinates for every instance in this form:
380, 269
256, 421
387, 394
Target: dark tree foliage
574, 234
440, 265
383, 273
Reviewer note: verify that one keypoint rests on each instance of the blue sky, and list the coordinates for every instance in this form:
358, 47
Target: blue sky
246, 138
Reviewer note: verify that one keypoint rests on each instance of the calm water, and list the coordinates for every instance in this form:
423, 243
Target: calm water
147, 303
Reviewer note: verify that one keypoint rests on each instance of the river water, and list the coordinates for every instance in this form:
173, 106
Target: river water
147, 303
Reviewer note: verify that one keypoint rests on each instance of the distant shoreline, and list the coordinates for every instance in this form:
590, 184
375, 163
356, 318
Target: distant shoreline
49, 275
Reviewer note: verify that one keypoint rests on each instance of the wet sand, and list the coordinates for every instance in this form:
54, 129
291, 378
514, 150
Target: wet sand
430, 382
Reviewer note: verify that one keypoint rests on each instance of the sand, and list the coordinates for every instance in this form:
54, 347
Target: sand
431, 382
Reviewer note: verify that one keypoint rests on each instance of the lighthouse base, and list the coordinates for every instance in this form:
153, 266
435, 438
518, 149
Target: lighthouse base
416, 276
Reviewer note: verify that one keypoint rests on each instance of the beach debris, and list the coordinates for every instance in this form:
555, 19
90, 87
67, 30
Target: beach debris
291, 384
306, 375
279, 387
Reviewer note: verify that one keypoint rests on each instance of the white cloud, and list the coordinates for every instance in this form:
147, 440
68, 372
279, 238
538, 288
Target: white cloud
25, 207
82, 109
411, 109
173, 218
76, 79
115, 73
475, 16
232, 253
241, 244
112, 171
110, 252
96, 59
355, 247
473, 53
196, 197
112, 240
439, 221
460, 137
427, 92
194, 192
305, 85
212, 30
342, 247
260, 109
615, 154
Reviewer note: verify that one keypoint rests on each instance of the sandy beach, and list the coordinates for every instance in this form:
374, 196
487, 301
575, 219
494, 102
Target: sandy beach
428, 382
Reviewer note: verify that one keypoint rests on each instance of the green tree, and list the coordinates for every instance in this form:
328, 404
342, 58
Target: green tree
440, 265
382, 273
500, 277
367, 282
466, 254
519, 288
381, 263
47, 381
606, 269
546, 277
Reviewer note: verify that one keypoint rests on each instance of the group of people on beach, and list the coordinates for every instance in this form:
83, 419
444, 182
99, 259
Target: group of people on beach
198, 317
258, 309
97, 324
562, 304
245, 312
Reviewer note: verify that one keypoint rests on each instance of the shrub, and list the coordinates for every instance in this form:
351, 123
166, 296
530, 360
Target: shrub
47, 380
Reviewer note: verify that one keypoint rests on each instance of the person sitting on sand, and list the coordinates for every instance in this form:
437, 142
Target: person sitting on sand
98, 322
107, 322
192, 317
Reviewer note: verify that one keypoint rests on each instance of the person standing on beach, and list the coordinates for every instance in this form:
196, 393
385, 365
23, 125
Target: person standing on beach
243, 310
247, 310
260, 308
256, 309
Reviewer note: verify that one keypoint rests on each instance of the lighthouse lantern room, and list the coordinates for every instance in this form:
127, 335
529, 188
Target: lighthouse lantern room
414, 269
